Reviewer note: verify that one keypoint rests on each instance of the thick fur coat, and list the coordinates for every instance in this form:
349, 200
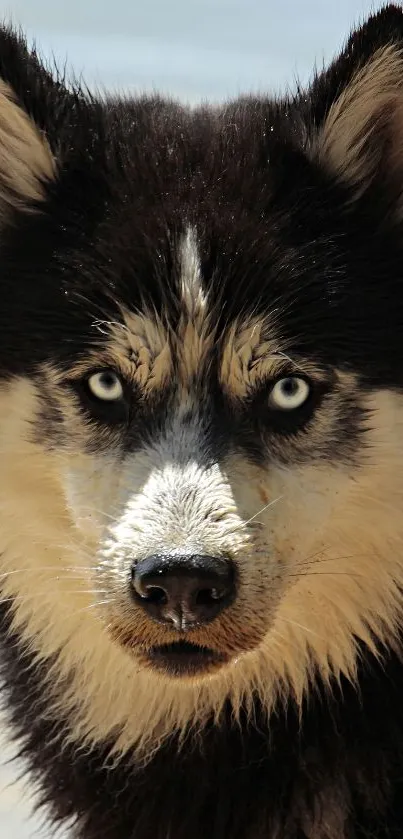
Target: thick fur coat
201, 356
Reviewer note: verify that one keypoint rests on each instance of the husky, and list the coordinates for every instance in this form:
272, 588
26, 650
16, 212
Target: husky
201, 452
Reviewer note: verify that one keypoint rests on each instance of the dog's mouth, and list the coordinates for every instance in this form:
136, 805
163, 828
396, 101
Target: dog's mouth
183, 658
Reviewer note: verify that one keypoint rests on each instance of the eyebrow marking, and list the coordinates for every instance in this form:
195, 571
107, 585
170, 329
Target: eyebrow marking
251, 355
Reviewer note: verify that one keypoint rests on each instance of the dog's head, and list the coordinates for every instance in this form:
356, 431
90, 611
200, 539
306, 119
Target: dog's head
200, 405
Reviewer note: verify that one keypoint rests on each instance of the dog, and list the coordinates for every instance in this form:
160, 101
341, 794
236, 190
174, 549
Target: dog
201, 425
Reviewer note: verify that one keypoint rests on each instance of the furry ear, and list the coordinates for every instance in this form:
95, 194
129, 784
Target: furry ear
356, 121
27, 94
26, 161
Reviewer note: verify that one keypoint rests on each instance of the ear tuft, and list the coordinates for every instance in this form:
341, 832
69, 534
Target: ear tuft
26, 162
362, 134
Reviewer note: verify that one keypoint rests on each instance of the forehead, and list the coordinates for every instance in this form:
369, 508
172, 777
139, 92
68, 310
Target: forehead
194, 234
153, 352
215, 217
232, 176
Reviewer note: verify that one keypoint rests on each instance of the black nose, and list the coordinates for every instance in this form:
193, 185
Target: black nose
185, 591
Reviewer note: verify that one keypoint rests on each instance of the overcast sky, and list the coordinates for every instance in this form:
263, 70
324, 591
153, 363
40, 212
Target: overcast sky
191, 48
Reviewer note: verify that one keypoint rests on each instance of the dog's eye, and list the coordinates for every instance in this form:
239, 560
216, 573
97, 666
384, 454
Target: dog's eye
104, 395
289, 393
106, 385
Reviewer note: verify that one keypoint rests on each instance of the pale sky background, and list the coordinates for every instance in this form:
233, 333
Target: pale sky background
192, 49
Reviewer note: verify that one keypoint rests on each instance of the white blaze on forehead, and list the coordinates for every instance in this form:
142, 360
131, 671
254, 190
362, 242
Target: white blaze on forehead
192, 293
195, 338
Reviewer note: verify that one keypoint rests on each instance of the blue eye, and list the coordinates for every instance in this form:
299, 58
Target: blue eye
289, 393
106, 385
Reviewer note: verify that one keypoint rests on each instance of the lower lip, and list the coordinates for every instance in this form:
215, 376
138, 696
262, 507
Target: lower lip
183, 659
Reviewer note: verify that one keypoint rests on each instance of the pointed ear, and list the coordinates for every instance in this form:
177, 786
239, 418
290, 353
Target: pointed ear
356, 121
27, 107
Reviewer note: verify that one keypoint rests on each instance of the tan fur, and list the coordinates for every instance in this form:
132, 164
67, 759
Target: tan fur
321, 564
26, 161
251, 356
142, 348
366, 122
139, 345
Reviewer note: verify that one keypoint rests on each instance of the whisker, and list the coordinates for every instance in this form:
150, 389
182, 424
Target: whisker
37, 595
259, 513
92, 606
326, 574
63, 573
300, 626
337, 558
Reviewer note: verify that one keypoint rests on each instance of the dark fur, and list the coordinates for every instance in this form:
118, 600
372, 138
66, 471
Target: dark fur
275, 228
240, 782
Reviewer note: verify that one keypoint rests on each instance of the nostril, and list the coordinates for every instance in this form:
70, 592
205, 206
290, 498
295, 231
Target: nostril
155, 595
206, 596
149, 592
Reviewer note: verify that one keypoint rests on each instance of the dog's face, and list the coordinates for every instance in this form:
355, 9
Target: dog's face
200, 401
